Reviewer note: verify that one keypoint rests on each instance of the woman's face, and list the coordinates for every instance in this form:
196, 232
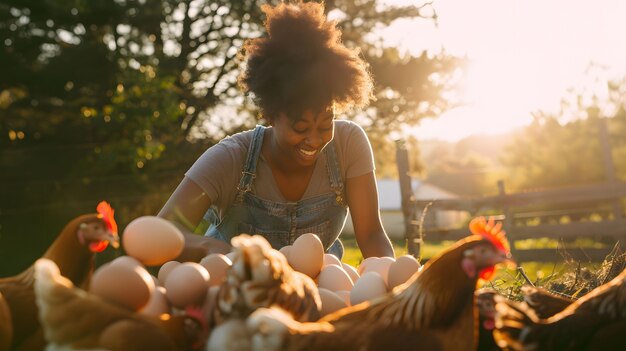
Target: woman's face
301, 140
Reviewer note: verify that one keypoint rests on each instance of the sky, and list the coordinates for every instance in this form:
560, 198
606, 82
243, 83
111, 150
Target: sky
525, 55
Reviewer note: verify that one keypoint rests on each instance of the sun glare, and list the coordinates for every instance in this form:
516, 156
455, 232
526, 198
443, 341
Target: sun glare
524, 56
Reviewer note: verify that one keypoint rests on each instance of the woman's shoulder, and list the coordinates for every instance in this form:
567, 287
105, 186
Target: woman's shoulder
238, 141
348, 132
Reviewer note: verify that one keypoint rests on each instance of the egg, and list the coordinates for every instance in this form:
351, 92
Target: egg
334, 278
345, 295
127, 260
331, 302
364, 264
165, 269
380, 265
307, 255
285, 251
158, 303
152, 240
370, 286
401, 270
217, 265
126, 285
231, 255
331, 259
354, 275
187, 284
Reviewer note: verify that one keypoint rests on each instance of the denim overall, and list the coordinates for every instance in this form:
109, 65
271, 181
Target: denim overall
281, 223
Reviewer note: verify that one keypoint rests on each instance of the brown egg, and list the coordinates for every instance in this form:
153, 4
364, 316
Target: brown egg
187, 284
152, 240
354, 275
129, 286
231, 255
401, 270
334, 278
158, 303
127, 260
370, 286
331, 302
217, 265
307, 255
285, 251
165, 270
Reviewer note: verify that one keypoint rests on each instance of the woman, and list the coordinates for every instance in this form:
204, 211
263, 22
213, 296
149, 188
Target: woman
302, 173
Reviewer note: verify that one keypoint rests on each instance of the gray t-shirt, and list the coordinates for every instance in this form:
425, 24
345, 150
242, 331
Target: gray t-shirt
219, 169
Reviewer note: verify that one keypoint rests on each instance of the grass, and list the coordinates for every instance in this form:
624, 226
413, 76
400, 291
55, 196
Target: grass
568, 277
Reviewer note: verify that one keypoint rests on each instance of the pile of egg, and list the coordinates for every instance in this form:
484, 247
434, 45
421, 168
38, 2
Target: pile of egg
152, 241
341, 285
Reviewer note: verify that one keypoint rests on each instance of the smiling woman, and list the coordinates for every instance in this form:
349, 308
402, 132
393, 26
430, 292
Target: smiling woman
304, 171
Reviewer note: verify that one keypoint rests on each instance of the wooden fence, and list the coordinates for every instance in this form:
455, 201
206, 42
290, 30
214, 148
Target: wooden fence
591, 211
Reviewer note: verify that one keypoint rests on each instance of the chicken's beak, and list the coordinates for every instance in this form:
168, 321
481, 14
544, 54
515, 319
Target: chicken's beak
113, 239
505, 258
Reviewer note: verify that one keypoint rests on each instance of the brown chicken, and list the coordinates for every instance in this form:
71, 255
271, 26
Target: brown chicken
544, 303
592, 322
261, 277
73, 251
434, 310
486, 306
72, 318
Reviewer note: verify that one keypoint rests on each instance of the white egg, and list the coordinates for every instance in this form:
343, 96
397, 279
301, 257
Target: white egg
370, 286
331, 302
334, 278
401, 270
379, 265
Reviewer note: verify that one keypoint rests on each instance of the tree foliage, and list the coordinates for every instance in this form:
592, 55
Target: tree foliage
566, 148
114, 100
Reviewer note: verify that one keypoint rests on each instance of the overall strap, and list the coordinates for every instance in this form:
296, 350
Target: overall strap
249, 168
334, 172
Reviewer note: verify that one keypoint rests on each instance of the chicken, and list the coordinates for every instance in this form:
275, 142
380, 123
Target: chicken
586, 324
434, 310
260, 277
6, 328
544, 303
486, 306
73, 251
75, 319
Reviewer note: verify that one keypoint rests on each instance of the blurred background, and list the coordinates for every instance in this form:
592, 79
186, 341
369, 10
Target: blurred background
115, 99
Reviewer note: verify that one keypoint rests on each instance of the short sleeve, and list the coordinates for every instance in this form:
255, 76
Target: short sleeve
356, 150
217, 170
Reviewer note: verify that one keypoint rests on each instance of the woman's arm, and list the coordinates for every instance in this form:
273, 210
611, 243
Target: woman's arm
185, 208
362, 200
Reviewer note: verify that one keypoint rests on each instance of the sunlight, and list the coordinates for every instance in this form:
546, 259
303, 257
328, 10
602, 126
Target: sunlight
524, 56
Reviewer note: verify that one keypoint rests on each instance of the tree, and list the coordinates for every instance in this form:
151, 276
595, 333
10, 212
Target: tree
564, 148
114, 100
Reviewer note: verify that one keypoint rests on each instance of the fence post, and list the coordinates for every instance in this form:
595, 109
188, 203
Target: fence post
407, 196
507, 224
609, 166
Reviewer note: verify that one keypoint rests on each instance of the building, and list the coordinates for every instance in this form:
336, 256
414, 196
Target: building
390, 203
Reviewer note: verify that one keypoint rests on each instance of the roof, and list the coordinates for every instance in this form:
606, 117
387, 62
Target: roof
389, 197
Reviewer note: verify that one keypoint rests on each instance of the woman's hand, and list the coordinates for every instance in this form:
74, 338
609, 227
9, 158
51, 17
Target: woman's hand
362, 198
197, 247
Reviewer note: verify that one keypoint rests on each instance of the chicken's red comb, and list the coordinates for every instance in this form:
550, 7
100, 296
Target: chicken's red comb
105, 211
491, 231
